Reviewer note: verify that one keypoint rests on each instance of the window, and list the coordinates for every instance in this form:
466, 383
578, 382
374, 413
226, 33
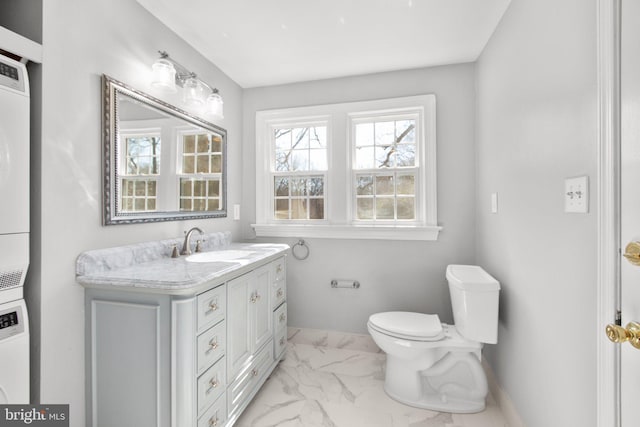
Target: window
299, 171
139, 182
353, 170
201, 171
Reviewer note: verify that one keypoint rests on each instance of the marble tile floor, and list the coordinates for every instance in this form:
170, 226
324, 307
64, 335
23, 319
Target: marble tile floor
322, 386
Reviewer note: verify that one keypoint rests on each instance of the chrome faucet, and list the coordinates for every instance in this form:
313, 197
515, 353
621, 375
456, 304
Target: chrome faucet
186, 246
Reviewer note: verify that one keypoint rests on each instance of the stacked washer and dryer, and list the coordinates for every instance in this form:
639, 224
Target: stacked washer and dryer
14, 231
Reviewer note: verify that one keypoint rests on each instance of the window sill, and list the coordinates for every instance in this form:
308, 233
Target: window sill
370, 232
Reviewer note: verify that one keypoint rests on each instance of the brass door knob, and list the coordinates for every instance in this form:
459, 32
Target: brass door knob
632, 253
631, 333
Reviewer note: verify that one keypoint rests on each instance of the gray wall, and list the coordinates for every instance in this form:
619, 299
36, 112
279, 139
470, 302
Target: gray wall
536, 123
83, 39
23, 17
394, 275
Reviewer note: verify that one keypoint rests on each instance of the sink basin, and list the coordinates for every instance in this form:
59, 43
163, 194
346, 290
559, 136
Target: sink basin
216, 256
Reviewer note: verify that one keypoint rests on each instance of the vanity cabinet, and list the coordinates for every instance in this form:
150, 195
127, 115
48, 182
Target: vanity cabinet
166, 360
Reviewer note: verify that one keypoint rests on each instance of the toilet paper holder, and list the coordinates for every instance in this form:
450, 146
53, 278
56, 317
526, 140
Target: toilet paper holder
352, 284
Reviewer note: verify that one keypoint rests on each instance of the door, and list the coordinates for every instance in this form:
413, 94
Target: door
630, 208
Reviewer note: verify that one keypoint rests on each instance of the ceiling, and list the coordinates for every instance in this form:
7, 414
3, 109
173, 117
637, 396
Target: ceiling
270, 42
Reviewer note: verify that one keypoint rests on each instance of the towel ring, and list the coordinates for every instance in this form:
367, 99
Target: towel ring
302, 255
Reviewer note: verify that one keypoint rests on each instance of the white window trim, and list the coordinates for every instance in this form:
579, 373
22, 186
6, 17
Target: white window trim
339, 223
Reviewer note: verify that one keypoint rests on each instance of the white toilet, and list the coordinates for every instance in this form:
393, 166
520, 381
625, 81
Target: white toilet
437, 366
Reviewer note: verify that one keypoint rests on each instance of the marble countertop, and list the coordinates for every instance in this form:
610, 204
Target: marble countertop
148, 267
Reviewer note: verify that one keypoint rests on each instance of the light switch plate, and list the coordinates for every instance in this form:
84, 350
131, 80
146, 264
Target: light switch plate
576, 194
236, 212
494, 202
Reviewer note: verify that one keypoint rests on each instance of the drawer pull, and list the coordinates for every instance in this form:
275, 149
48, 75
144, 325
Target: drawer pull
213, 422
279, 268
282, 341
254, 297
213, 344
254, 372
283, 317
213, 306
213, 383
280, 293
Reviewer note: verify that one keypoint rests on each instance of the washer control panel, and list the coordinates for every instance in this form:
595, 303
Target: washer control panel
12, 74
11, 321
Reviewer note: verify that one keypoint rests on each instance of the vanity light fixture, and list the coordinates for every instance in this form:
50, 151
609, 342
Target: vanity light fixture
167, 74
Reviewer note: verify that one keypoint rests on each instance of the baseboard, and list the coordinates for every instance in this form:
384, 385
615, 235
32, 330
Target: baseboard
502, 400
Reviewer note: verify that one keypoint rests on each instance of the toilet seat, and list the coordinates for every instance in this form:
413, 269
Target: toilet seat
407, 325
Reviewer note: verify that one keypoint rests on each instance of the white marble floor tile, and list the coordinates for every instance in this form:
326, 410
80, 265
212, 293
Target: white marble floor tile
318, 386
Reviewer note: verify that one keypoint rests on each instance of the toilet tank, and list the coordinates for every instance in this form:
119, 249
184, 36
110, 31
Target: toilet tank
474, 300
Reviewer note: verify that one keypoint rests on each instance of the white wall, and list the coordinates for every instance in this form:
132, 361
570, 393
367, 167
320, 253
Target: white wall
536, 120
83, 39
394, 275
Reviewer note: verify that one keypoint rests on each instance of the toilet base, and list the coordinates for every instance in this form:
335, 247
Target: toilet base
456, 383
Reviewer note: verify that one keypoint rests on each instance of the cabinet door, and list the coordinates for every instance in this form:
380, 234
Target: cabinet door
262, 318
239, 295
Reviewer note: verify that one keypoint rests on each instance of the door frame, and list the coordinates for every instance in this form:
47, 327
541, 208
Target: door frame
608, 209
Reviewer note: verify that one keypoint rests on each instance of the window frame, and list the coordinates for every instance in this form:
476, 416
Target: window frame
340, 203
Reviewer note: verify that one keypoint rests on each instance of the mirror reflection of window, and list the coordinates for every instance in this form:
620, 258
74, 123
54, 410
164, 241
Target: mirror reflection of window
201, 167
139, 182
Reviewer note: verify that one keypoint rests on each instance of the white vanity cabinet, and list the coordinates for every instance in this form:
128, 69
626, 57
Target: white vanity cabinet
158, 359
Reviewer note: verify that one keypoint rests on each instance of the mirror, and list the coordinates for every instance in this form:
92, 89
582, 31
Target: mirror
160, 162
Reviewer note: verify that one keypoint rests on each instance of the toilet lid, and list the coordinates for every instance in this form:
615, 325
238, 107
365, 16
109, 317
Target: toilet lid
413, 326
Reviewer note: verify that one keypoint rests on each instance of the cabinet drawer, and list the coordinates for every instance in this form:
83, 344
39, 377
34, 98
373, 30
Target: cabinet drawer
211, 385
211, 306
280, 343
211, 346
278, 293
280, 318
216, 416
249, 378
279, 271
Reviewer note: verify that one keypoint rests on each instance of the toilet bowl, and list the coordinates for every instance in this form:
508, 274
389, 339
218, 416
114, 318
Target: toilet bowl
434, 365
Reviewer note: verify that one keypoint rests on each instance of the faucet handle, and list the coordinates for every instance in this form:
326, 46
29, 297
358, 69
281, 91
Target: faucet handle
174, 251
198, 245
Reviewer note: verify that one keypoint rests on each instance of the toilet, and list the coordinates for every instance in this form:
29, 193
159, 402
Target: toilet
437, 366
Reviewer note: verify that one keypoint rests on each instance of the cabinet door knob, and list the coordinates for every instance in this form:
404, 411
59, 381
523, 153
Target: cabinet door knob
254, 372
213, 306
213, 422
280, 293
213, 344
283, 317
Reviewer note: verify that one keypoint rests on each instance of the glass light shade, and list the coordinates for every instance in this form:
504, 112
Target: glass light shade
163, 75
215, 105
193, 93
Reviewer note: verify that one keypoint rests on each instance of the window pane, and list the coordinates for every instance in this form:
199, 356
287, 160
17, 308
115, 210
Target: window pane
364, 185
406, 155
384, 185
188, 164
300, 138
151, 188
139, 204
213, 205
405, 131
216, 163
406, 184
189, 144
283, 139
185, 204
318, 160
364, 134
298, 187
316, 186
298, 209
385, 156
406, 208
300, 160
364, 158
384, 133
140, 188
384, 208
151, 204
282, 209
199, 188
316, 209
281, 186
365, 208
203, 143
216, 146
318, 137
214, 188
185, 187
282, 161
203, 164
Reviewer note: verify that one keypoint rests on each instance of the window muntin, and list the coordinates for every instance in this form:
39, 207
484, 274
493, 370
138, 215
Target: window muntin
139, 182
299, 152
200, 177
